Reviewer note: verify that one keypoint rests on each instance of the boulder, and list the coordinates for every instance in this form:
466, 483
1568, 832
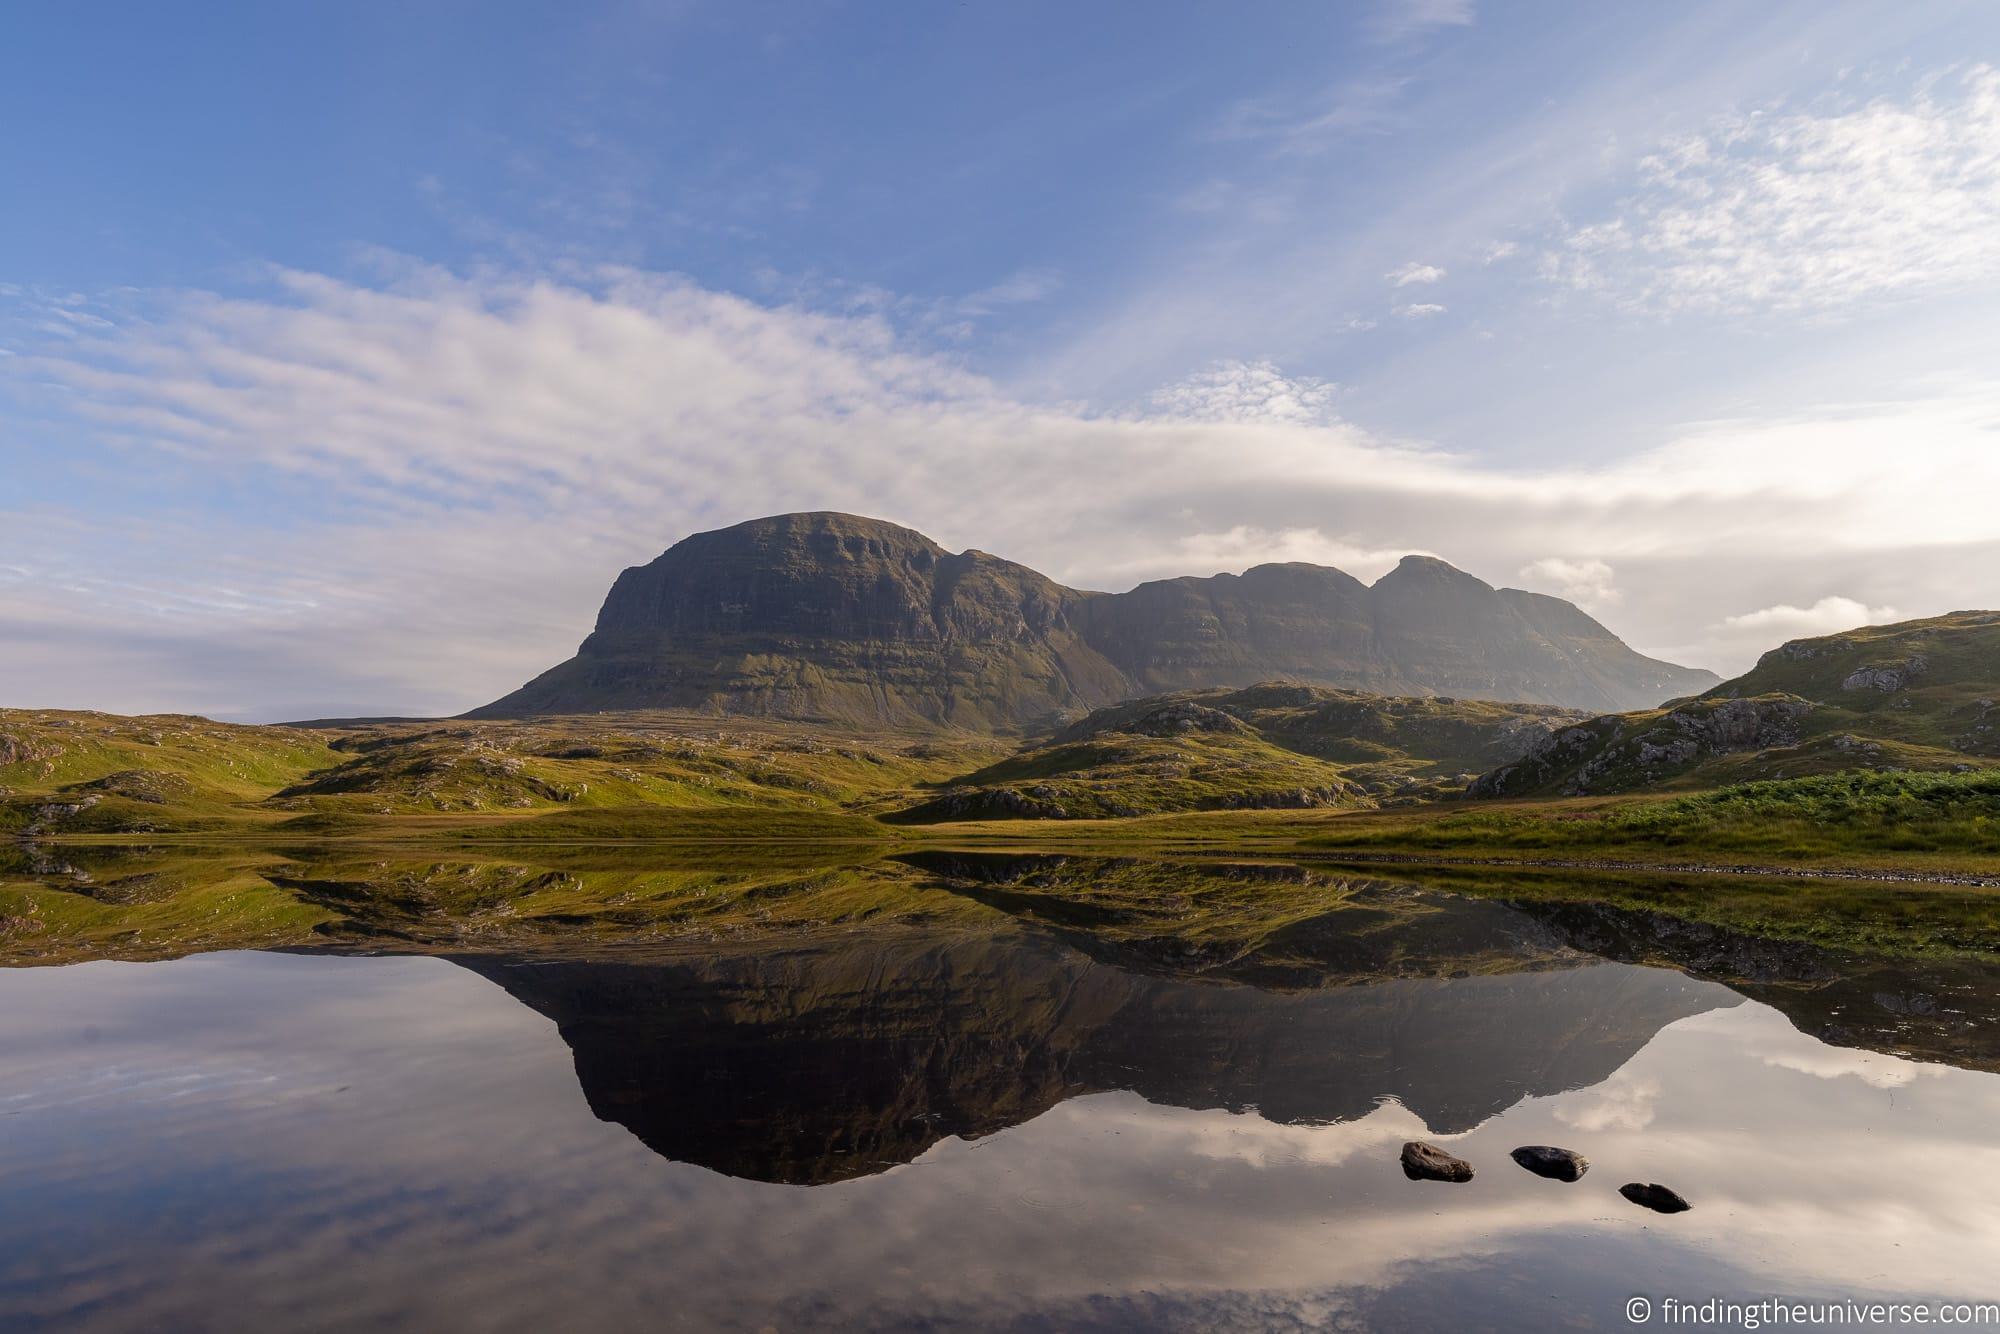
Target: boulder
1547, 1161
1427, 1162
1655, 1197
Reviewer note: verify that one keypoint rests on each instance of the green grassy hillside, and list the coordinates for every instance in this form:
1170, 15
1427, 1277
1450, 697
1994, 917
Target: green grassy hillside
87, 773
1852, 816
98, 772
1275, 746
1920, 695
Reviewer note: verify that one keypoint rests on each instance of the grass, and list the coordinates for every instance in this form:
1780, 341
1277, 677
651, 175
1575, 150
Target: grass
1808, 821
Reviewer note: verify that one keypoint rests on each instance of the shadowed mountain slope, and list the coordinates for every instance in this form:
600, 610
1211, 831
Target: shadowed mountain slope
833, 617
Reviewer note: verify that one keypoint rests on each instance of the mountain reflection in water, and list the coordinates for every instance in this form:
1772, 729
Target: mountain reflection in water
1050, 1112
835, 1060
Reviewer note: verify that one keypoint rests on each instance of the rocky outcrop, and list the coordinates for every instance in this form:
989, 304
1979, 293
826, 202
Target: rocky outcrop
1180, 717
1886, 677
19, 749
1615, 754
834, 617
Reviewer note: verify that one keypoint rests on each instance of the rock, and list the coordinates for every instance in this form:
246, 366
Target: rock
1604, 755
1655, 1197
1547, 1161
1180, 718
1887, 677
1427, 1162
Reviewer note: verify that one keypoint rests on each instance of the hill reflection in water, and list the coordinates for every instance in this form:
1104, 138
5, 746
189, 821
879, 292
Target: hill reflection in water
1039, 1093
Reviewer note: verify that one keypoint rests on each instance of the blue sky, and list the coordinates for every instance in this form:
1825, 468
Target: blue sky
350, 351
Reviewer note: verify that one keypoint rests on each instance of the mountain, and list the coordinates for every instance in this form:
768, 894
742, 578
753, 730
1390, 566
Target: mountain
838, 618
1914, 695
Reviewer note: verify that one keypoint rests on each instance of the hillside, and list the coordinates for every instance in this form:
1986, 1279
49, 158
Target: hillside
90, 773
100, 772
1919, 695
1273, 746
830, 617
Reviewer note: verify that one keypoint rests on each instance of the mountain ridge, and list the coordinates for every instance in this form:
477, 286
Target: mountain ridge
825, 616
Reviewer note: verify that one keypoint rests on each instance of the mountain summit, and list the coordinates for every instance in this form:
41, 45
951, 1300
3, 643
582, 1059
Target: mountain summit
831, 616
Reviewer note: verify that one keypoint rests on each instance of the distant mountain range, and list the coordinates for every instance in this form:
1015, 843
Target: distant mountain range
834, 617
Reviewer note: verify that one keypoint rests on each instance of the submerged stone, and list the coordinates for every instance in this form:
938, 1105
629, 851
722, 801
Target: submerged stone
1655, 1197
1546, 1160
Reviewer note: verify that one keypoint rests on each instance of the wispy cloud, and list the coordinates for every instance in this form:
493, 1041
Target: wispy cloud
458, 465
1419, 310
1398, 20
1021, 287
1807, 211
1302, 124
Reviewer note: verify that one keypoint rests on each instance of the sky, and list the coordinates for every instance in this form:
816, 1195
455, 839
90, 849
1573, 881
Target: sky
347, 353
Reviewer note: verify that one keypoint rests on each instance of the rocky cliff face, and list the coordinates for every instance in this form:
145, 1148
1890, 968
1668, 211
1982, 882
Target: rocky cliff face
830, 616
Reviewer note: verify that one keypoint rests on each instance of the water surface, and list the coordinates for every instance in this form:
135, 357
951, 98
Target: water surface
993, 1120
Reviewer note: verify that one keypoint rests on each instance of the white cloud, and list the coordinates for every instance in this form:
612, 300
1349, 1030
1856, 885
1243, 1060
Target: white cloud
1498, 250
1414, 272
1827, 616
1243, 391
1802, 211
1589, 583
447, 471
1419, 310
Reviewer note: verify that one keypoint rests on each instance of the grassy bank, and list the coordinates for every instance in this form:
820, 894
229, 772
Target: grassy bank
1859, 818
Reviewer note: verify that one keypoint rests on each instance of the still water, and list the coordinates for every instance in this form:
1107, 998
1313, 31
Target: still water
980, 1125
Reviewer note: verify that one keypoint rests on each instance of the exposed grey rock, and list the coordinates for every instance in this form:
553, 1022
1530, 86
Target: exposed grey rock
1605, 754
1654, 1196
1887, 677
1427, 1162
1180, 718
1545, 1160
